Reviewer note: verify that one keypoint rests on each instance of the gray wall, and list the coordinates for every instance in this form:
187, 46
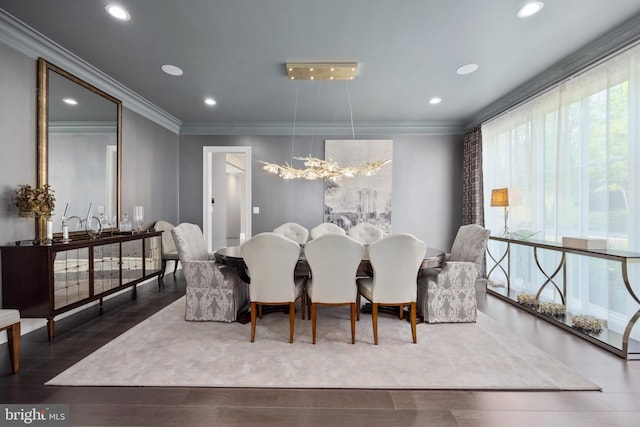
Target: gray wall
149, 155
427, 183
17, 139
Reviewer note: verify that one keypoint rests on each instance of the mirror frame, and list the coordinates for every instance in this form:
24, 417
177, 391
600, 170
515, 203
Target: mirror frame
42, 160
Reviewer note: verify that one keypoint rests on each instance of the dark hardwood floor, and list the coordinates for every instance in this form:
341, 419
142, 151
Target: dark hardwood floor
81, 334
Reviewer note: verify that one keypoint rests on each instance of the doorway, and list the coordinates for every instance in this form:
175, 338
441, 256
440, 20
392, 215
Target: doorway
226, 216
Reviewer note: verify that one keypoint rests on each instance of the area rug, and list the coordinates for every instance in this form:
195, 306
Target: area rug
166, 350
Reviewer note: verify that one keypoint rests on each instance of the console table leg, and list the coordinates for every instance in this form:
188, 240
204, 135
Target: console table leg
627, 334
498, 264
550, 278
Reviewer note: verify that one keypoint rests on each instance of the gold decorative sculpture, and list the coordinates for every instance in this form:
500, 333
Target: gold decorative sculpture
35, 202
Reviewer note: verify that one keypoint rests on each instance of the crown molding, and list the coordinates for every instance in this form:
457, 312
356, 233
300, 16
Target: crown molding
599, 49
324, 129
19, 36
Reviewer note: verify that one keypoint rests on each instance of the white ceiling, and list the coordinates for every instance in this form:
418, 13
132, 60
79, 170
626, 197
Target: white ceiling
407, 50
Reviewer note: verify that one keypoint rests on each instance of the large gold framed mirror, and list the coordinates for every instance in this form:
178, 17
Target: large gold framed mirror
79, 148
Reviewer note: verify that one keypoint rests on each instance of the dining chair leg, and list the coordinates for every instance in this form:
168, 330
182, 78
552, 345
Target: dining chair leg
413, 322
401, 314
353, 323
260, 311
292, 320
13, 341
314, 312
254, 307
358, 307
374, 317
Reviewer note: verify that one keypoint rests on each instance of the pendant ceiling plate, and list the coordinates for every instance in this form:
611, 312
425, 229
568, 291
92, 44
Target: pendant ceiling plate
322, 71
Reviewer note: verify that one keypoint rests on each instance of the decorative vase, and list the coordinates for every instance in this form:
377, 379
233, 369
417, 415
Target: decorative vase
138, 217
93, 226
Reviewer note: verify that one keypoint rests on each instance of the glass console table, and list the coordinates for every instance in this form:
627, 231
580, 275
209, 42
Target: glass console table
549, 263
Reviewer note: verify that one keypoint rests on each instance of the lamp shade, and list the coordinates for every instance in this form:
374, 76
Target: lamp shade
500, 197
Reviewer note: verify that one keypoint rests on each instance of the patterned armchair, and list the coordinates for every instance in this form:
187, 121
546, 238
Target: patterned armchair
214, 292
448, 294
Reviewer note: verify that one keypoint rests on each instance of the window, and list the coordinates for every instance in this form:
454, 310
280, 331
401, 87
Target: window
570, 158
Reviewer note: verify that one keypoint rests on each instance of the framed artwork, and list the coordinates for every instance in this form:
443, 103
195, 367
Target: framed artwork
362, 198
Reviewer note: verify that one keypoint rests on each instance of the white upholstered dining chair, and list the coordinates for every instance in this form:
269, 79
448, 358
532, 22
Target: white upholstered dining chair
213, 292
293, 231
395, 260
325, 228
333, 260
448, 294
169, 250
271, 260
365, 233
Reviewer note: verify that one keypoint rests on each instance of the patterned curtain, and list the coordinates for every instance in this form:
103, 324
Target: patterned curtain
472, 192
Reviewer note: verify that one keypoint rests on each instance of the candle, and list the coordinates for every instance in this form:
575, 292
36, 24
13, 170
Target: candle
65, 232
49, 229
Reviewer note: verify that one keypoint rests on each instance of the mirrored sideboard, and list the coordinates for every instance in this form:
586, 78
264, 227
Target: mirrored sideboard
45, 281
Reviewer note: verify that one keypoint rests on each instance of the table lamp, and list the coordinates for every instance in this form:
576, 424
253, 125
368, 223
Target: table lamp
500, 197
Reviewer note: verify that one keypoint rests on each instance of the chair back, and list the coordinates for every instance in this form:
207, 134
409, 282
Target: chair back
470, 243
365, 233
168, 245
396, 260
293, 231
334, 261
325, 228
271, 259
190, 243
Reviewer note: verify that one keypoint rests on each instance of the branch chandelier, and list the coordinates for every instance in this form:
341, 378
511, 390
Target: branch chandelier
317, 168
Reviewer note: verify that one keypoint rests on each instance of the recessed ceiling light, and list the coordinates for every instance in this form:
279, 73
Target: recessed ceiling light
118, 12
70, 101
530, 9
435, 100
210, 101
467, 69
172, 70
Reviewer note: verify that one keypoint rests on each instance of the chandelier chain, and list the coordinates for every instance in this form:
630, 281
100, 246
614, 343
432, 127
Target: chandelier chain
295, 116
353, 132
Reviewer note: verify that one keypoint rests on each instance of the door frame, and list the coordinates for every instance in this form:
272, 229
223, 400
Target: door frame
207, 173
